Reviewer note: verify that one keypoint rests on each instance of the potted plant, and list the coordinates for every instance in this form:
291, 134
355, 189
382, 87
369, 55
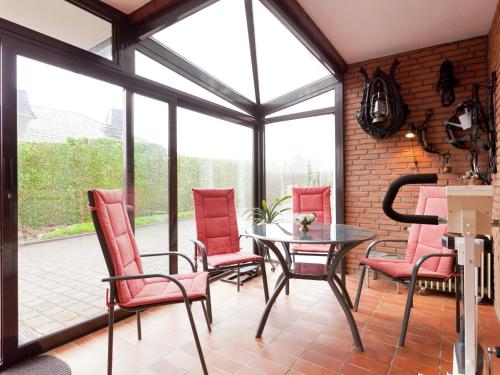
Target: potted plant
268, 213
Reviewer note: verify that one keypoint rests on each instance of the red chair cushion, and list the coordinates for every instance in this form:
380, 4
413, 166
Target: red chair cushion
423, 240
216, 223
312, 248
113, 219
426, 239
232, 258
160, 290
313, 199
401, 268
121, 245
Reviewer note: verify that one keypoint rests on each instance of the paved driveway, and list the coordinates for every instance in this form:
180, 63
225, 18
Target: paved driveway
59, 281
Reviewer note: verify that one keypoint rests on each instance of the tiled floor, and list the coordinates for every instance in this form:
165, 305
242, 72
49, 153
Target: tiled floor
306, 334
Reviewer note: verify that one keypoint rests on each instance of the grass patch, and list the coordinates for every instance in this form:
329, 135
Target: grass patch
82, 228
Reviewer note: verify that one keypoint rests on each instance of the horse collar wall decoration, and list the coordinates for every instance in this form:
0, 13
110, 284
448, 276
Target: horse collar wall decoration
382, 110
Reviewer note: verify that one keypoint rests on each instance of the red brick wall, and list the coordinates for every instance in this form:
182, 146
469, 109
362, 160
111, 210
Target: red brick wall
370, 164
494, 65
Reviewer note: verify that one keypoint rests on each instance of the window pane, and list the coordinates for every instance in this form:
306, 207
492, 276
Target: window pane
70, 139
325, 100
300, 153
151, 180
62, 20
212, 153
216, 40
148, 68
284, 63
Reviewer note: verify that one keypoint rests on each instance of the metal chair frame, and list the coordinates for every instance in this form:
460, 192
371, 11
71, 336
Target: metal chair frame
112, 299
198, 245
410, 282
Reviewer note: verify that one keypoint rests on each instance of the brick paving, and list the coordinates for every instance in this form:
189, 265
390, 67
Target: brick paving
60, 281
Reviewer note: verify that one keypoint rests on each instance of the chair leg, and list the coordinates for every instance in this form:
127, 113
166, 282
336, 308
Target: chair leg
287, 288
139, 330
111, 320
196, 338
457, 304
264, 280
207, 319
209, 304
406, 317
238, 279
360, 286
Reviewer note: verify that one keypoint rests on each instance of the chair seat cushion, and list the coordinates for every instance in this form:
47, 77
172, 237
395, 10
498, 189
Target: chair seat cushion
311, 248
160, 290
399, 268
228, 259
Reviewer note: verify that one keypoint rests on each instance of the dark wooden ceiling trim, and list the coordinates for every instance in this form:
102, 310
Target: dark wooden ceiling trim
178, 64
301, 94
302, 26
159, 14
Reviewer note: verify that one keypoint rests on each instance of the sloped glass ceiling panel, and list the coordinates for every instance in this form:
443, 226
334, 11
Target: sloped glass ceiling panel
215, 39
324, 100
284, 63
148, 68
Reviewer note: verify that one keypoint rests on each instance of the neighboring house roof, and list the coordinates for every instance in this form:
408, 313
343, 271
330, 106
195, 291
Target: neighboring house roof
42, 124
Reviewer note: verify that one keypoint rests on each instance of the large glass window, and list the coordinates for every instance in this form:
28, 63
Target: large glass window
211, 153
70, 139
62, 20
151, 177
300, 153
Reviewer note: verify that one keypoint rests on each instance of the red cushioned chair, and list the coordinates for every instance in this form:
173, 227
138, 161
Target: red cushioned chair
317, 200
426, 259
218, 241
130, 288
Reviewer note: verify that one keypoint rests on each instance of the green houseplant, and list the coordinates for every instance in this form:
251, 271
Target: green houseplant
269, 213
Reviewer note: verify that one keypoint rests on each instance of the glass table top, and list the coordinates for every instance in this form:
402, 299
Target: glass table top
318, 233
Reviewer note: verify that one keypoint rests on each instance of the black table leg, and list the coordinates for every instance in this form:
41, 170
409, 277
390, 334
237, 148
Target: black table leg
348, 315
269, 305
281, 283
343, 299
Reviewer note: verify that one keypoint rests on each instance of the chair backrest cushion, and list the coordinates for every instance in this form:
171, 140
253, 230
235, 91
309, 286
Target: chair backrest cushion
426, 239
216, 222
120, 242
313, 199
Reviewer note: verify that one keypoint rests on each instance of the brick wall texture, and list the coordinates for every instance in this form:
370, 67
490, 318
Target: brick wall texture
370, 164
494, 65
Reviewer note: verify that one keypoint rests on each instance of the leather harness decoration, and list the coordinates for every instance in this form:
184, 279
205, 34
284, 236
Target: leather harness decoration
382, 110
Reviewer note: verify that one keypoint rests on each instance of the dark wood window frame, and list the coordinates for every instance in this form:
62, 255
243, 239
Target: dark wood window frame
17, 40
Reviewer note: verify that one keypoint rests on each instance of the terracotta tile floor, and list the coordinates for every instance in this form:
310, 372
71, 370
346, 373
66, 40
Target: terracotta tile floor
306, 334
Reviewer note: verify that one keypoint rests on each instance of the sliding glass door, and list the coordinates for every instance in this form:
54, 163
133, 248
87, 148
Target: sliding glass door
69, 139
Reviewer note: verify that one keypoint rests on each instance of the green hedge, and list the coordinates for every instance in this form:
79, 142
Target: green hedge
54, 178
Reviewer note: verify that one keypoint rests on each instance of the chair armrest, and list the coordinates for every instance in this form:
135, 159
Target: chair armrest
201, 246
372, 245
422, 259
111, 279
171, 253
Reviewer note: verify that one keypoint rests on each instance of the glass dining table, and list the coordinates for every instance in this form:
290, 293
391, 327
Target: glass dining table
341, 238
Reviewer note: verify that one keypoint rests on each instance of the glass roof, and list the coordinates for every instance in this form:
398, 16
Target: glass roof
148, 68
324, 100
284, 63
215, 39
